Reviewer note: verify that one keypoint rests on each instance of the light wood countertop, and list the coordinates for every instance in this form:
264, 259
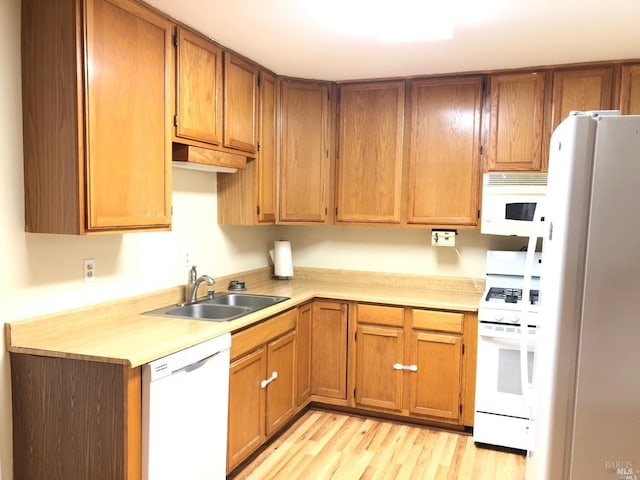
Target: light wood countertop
118, 332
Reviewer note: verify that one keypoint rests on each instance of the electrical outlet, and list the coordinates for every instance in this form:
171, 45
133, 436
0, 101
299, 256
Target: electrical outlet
89, 269
443, 238
186, 260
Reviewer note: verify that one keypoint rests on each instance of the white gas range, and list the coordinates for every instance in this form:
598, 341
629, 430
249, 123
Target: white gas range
502, 412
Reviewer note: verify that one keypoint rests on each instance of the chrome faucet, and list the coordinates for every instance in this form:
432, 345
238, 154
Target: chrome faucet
194, 283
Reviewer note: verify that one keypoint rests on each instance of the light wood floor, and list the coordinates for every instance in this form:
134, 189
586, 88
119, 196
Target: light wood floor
328, 445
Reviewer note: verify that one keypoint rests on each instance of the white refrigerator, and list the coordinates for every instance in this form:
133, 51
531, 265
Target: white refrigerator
586, 411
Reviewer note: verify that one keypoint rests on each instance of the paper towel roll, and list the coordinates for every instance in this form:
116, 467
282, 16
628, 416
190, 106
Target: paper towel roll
282, 261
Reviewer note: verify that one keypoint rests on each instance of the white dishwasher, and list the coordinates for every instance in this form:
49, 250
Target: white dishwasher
185, 399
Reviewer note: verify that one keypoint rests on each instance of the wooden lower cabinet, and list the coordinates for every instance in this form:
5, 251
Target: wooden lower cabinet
75, 419
246, 406
303, 364
435, 388
408, 370
329, 350
378, 384
262, 385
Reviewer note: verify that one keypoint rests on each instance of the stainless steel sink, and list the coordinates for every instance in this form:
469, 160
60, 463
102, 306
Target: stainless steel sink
220, 309
207, 311
254, 302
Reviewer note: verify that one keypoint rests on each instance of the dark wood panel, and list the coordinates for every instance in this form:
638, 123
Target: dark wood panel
50, 109
69, 419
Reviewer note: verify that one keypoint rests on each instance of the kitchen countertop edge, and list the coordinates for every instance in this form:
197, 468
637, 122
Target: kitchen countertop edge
124, 335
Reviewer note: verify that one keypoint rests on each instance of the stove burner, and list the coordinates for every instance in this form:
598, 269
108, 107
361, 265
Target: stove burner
511, 295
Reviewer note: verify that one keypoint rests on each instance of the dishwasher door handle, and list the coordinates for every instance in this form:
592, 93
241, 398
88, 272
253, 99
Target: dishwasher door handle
199, 363
264, 383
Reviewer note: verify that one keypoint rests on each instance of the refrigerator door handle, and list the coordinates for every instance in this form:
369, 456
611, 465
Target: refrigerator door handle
536, 225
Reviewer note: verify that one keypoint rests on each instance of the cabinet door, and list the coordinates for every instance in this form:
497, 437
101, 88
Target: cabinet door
378, 383
435, 388
329, 350
369, 169
304, 160
580, 89
516, 122
128, 172
246, 406
303, 363
630, 90
198, 89
268, 148
444, 158
240, 103
281, 392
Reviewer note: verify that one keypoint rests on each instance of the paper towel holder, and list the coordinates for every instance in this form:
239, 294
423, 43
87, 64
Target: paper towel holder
282, 260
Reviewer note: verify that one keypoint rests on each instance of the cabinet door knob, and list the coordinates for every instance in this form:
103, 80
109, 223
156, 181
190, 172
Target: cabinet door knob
264, 383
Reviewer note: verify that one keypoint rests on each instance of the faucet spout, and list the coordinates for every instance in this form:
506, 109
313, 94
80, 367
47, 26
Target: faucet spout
194, 287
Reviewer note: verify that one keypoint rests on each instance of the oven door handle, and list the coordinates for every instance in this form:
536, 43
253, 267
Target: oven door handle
513, 336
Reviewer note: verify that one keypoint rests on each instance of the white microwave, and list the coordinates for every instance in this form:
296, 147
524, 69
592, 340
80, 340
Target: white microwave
509, 201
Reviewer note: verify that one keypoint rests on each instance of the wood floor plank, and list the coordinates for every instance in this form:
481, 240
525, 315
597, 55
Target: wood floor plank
324, 445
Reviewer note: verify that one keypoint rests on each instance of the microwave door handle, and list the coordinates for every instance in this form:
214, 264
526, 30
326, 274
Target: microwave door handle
526, 295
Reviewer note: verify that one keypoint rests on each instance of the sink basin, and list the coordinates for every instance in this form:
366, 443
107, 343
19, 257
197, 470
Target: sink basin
220, 309
254, 302
208, 312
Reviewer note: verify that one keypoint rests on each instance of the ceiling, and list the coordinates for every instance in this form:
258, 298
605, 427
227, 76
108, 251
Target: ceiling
282, 36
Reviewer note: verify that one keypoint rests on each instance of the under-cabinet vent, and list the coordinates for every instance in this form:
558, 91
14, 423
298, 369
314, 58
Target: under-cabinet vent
514, 179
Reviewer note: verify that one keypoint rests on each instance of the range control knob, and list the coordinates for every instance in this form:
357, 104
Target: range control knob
515, 319
499, 318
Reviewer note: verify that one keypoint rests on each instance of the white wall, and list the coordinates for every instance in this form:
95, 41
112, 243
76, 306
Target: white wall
392, 250
43, 273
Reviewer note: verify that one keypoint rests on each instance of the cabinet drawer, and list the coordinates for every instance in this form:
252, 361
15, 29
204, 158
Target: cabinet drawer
432, 320
251, 338
379, 315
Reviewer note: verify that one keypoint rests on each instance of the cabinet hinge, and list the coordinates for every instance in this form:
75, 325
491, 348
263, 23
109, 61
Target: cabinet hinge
326, 153
354, 393
460, 409
175, 120
175, 39
326, 211
257, 209
336, 210
481, 149
478, 213
259, 80
258, 147
463, 348
355, 335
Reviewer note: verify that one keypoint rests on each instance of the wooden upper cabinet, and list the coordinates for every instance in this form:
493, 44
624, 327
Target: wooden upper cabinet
248, 196
580, 89
96, 111
198, 89
240, 103
444, 151
268, 148
516, 121
304, 157
630, 90
369, 168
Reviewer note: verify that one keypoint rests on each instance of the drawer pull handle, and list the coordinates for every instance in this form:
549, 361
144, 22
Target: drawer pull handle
411, 368
264, 383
